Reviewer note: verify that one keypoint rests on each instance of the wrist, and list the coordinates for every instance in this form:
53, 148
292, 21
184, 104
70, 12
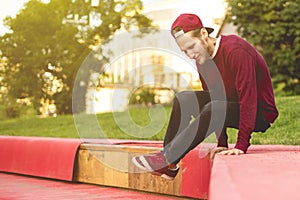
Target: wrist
241, 147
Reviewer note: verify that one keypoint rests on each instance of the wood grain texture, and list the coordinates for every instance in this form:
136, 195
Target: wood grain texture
111, 165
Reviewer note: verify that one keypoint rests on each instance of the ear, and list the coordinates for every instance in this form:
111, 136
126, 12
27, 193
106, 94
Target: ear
204, 33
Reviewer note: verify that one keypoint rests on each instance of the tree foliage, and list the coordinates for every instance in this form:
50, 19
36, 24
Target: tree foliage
49, 41
273, 27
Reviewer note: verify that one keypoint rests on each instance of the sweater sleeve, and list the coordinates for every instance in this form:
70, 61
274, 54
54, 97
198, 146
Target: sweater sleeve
243, 66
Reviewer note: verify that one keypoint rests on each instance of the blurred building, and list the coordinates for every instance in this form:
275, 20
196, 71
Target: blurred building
153, 60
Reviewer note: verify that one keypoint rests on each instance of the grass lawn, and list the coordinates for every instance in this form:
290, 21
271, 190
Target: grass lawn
284, 131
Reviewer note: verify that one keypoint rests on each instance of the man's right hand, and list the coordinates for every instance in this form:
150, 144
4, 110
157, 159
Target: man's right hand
233, 151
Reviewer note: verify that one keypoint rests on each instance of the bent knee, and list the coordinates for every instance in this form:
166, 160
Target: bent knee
216, 106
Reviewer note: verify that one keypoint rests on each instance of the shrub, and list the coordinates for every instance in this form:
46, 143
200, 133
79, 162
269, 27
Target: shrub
12, 111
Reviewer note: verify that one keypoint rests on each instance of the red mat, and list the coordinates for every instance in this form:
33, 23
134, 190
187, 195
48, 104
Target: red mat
49, 157
265, 172
16, 187
196, 170
39, 156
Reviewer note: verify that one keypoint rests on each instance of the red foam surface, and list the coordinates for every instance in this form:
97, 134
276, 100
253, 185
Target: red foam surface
196, 169
49, 157
39, 156
18, 187
265, 172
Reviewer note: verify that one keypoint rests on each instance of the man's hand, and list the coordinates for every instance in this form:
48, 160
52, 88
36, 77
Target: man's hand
215, 150
231, 152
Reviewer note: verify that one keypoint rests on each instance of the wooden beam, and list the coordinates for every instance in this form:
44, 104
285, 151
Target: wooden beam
111, 165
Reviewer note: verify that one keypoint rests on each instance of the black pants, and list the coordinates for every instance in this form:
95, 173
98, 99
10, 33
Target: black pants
195, 116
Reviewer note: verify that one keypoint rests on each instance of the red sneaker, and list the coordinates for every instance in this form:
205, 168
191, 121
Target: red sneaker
156, 164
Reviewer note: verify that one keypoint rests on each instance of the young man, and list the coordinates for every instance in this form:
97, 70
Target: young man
237, 93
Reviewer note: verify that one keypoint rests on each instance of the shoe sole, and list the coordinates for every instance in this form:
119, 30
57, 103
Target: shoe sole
165, 176
146, 164
146, 167
136, 163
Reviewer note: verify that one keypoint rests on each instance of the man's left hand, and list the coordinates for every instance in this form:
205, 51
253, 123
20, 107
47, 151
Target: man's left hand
232, 152
215, 151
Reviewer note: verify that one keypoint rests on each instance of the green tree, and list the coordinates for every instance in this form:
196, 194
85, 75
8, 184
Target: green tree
273, 27
50, 41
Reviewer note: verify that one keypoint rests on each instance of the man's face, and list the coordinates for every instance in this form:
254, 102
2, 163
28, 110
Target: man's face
194, 47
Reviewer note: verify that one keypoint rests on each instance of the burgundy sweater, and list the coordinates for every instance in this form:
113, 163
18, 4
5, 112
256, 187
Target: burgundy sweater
247, 81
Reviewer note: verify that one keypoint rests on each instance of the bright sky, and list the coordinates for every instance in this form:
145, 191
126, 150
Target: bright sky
12, 7
9, 8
